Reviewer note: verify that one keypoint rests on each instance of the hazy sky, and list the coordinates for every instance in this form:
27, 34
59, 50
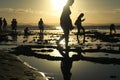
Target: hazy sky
30, 11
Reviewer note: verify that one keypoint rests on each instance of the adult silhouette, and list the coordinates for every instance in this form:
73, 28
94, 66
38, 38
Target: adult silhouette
78, 23
66, 23
40, 25
0, 24
112, 28
4, 25
14, 25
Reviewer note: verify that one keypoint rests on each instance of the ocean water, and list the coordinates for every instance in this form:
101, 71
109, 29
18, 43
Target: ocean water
81, 69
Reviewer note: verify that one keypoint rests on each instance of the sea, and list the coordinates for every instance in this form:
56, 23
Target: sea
81, 69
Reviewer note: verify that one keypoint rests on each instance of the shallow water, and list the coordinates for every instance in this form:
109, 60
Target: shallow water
81, 70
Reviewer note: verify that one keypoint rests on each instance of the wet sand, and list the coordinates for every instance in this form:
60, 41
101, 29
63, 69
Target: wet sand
12, 68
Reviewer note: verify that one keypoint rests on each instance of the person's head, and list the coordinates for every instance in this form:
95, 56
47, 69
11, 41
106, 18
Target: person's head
26, 27
13, 19
112, 25
40, 19
70, 2
81, 15
4, 19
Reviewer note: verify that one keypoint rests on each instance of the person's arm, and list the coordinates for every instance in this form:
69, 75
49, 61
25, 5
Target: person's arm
83, 20
76, 22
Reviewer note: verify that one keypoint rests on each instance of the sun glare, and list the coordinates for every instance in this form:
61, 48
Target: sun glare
58, 4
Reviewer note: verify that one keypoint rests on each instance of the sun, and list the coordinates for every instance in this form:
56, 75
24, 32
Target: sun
58, 4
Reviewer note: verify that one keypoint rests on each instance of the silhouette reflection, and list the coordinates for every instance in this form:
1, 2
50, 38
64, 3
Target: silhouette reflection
66, 61
14, 36
41, 38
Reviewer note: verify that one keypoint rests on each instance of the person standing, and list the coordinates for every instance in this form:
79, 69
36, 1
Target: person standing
4, 25
112, 28
26, 31
14, 24
40, 25
0, 24
66, 23
78, 23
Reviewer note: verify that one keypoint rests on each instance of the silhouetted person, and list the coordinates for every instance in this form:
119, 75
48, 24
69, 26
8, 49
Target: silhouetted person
0, 24
40, 25
4, 25
26, 31
66, 23
14, 25
78, 23
112, 28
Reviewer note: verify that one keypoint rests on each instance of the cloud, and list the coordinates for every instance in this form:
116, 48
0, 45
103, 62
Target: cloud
16, 10
109, 11
116, 10
5, 9
24, 11
20, 10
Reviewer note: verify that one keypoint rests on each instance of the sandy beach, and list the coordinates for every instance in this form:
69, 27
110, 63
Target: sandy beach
12, 68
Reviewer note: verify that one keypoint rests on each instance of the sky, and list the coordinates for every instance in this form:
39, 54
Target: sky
30, 11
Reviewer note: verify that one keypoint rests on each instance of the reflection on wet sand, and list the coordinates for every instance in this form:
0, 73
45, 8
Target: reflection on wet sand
66, 61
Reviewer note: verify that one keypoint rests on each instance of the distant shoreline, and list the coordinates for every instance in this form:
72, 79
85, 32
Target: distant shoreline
21, 27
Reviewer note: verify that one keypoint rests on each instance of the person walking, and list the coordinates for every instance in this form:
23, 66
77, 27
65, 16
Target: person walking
78, 23
66, 23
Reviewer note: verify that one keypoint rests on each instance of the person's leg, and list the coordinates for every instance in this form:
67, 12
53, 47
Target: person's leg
61, 38
66, 41
114, 31
83, 34
110, 31
78, 33
0, 28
